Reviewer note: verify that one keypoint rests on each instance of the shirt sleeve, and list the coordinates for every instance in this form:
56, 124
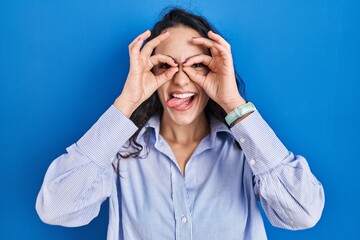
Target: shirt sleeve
290, 194
77, 182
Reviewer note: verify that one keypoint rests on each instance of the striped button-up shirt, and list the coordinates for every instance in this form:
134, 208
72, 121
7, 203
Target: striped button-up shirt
228, 173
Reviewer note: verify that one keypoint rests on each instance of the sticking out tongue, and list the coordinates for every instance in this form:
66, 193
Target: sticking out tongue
174, 102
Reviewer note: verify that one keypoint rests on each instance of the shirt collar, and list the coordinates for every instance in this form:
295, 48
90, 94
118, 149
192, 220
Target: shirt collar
216, 126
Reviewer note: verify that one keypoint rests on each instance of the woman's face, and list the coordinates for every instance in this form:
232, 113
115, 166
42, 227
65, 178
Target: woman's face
182, 99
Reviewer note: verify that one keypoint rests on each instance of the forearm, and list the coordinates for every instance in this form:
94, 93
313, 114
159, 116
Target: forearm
290, 194
80, 180
73, 186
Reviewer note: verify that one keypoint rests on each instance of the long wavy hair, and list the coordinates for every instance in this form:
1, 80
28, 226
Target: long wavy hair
152, 106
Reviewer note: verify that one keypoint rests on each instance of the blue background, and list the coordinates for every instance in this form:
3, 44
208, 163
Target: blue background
62, 63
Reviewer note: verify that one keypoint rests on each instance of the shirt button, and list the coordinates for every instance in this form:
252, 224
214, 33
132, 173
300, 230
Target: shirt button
242, 140
183, 219
252, 162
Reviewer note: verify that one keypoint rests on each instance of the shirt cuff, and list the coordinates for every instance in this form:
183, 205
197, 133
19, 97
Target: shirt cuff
262, 148
105, 138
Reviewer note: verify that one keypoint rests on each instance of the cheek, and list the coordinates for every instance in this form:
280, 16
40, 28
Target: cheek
161, 91
204, 98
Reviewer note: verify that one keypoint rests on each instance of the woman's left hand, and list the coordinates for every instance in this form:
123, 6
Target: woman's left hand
220, 82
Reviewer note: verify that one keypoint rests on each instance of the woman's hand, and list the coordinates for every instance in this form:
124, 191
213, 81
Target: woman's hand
220, 82
141, 83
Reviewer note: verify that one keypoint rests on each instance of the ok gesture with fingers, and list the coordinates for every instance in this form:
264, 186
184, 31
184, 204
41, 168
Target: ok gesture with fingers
220, 82
141, 83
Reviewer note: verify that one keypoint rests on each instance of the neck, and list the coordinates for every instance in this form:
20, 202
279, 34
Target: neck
184, 134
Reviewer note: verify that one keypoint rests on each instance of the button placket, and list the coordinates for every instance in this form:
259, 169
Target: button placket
181, 211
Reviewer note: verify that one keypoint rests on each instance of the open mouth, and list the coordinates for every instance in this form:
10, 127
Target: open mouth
181, 101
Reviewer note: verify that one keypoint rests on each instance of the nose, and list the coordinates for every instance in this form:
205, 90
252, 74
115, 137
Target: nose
181, 78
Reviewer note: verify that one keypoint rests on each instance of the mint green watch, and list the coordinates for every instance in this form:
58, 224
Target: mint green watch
239, 112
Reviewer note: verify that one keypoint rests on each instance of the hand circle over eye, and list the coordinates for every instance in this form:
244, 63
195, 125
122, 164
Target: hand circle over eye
220, 82
158, 60
141, 83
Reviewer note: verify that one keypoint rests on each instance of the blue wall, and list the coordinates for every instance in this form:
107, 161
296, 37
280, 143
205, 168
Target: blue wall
62, 63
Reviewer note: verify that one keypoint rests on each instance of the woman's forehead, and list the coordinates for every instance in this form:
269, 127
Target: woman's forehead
178, 45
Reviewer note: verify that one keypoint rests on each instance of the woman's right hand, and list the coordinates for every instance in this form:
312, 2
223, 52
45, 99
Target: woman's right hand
141, 83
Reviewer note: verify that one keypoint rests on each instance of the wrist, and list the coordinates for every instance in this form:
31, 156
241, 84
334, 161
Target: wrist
238, 102
239, 113
124, 106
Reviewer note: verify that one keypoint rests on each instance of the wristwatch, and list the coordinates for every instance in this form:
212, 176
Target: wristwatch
239, 112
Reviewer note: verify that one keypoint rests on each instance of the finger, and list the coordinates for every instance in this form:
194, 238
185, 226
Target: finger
203, 41
224, 52
208, 43
166, 76
201, 58
142, 36
160, 58
135, 46
195, 76
217, 38
151, 45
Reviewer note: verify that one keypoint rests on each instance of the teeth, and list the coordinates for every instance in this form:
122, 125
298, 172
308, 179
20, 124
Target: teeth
183, 95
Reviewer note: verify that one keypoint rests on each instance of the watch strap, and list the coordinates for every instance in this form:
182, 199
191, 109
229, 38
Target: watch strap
239, 112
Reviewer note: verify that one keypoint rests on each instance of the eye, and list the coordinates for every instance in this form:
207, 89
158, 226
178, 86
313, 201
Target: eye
160, 68
163, 66
198, 65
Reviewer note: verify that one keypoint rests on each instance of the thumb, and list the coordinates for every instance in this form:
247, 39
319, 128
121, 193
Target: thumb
195, 76
166, 76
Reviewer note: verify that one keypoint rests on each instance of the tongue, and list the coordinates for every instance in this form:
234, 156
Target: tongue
177, 101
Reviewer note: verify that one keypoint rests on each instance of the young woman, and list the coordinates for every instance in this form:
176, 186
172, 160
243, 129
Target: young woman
180, 153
